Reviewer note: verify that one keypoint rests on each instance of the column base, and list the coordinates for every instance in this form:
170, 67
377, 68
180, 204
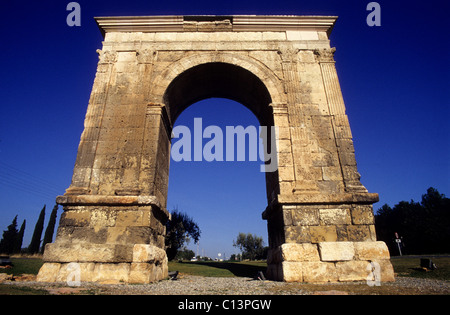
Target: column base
330, 262
148, 264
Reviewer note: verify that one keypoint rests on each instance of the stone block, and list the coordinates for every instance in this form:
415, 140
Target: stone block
336, 251
334, 216
109, 273
297, 234
286, 173
292, 271
132, 218
145, 253
103, 218
386, 269
352, 270
48, 272
76, 272
371, 250
324, 233
141, 273
305, 217
287, 217
359, 233
362, 215
299, 252
75, 218
314, 272
87, 252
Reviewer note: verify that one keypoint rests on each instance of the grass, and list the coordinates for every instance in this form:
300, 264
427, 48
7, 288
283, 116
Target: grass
219, 269
410, 267
18, 290
24, 266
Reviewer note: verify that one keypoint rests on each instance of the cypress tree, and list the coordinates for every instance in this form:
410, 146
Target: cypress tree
20, 237
48, 236
8, 242
36, 239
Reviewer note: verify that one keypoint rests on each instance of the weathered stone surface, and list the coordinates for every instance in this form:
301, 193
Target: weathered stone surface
336, 251
295, 234
359, 233
387, 270
48, 272
111, 273
87, 252
371, 250
142, 273
362, 215
326, 233
292, 271
352, 270
299, 252
144, 253
305, 217
319, 272
334, 216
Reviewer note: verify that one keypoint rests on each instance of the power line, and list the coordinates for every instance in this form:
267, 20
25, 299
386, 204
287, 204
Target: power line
28, 175
20, 180
28, 190
9, 179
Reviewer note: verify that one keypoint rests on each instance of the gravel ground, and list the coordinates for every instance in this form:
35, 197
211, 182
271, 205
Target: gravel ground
197, 285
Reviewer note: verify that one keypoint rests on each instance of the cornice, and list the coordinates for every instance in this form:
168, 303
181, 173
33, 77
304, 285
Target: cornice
239, 23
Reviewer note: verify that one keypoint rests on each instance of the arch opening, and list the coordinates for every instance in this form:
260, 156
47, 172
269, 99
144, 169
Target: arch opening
229, 81
216, 193
222, 80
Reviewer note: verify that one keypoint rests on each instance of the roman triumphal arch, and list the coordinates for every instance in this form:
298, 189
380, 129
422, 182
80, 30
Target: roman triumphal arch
319, 215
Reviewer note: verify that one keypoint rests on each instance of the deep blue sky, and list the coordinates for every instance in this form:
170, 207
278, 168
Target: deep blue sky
394, 78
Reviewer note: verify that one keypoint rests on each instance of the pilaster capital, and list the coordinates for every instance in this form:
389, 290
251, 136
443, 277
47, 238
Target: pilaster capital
145, 56
288, 54
107, 56
279, 108
324, 55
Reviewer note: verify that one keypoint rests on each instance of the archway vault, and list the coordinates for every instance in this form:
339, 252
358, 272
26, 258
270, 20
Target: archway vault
217, 79
319, 215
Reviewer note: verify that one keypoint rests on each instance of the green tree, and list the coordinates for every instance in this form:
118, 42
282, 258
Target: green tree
179, 230
424, 227
185, 254
20, 237
9, 239
251, 246
36, 239
48, 235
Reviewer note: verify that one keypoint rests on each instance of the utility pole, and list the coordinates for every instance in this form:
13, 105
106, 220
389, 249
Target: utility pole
398, 241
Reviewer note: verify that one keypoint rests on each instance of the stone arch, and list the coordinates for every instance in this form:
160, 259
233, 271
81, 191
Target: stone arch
266, 76
224, 75
319, 216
